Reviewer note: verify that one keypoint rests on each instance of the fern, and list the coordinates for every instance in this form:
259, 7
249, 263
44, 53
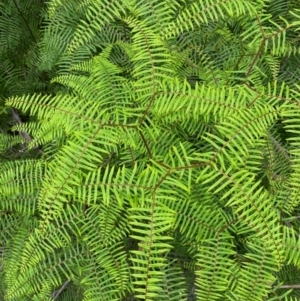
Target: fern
149, 150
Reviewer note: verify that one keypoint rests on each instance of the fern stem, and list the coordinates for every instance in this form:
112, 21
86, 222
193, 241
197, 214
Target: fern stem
26, 23
296, 286
57, 293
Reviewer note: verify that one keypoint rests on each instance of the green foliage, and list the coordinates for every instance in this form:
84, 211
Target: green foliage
157, 157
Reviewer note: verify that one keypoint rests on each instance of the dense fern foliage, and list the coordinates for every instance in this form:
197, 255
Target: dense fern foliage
150, 150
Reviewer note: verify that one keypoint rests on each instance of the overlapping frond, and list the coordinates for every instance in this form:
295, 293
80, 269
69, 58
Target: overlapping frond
158, 158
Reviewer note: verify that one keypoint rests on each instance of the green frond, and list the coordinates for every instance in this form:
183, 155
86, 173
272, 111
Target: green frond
149, 150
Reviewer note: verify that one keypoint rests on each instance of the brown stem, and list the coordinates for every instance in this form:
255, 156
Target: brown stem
58, 292
296, 286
